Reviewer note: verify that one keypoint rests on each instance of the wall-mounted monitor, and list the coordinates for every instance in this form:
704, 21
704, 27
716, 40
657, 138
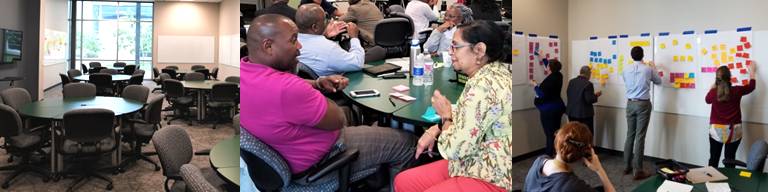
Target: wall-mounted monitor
12, 45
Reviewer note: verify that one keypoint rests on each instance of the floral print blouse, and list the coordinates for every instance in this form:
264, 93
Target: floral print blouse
479, 143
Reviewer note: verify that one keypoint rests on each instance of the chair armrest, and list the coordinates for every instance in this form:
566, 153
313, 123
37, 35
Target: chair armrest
38, 128
735, 162
136, 121
334, 163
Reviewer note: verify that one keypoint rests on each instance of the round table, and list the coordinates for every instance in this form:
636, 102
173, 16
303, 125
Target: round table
224, 158
410, 112
116, 77
201, 87
757, 182
54, 109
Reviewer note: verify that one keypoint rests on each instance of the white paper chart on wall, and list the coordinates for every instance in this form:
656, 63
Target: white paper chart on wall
676, 59
540, 50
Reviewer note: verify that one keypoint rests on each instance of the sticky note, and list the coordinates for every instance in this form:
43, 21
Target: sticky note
716, 63
610, 70
745, 174
515, 52
745, 82
747, 45
690, 58
733, 80
662, 46
691, 75
739, 48
745, 55
557, 50
714, 47
730, 58
749, 62
714, 56
743, 39
688, 46
613, 42
530, 57
722, 46
674, 58
739, 65
674, 42
738, 54
730, 66
703, 51
733, 51
743, 71
604, 76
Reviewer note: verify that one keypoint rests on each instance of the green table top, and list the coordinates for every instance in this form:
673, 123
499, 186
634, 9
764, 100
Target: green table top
758, 182
231, 174
206, 84
226, 153
408, 111
116, 77
54, 108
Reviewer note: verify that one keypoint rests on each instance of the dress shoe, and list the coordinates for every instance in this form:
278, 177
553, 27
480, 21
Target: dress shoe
640, 175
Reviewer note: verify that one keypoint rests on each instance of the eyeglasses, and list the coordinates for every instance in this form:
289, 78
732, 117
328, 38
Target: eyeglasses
451, 16
454, 46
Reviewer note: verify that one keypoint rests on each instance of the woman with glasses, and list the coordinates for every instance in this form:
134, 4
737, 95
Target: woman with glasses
573, 144
441, 37
475, 137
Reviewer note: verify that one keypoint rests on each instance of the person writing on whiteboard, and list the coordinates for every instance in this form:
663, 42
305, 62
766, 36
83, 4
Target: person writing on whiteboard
441, 37
475, 137
324, 56
637, 80
581, 96
549, 103
573, 144
725, 117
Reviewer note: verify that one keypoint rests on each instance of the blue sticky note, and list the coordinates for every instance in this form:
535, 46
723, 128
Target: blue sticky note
613, 42
599, 54
431, 115
592, 53
591, 59
614, 56
609, 61
691, 75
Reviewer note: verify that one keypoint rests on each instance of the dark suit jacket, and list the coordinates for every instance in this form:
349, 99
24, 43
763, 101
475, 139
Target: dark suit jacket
581, 96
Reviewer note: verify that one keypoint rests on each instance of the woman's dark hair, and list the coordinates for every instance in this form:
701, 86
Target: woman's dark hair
723, 83
555, 65
489, 33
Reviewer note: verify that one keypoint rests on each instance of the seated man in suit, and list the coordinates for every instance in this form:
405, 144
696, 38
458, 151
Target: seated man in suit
324, 56
291, 115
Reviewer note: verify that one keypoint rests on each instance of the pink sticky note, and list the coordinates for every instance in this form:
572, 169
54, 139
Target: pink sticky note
745, 55
400, 88
740, 48
743, 71
738, 54
747, 45
739, 66
743, 39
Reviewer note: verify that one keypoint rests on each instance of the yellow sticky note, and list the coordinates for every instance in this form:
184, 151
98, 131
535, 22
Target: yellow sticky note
675, 58
662, 46
730, 59
703, 51
733, 51
688, 46
722, 47
674, 42
716, 62
714, 47
590, 65
516, 52
610, 70
604, 76
714, 56
639, 43
745, 174
602, 66
690, 58
677, 85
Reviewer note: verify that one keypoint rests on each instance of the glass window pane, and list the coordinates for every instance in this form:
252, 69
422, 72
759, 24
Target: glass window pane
96, 39
126, 43
145, 40
146, 11
99, 10
127, 11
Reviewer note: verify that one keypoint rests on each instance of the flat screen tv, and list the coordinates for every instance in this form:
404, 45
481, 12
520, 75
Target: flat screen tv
12, 41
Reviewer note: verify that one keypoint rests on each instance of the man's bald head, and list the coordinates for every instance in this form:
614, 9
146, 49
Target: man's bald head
310, 18
272, 41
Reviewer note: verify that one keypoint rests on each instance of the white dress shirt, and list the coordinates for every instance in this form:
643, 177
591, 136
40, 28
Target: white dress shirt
421, 13
326, 57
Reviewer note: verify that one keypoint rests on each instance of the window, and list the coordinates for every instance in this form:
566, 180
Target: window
110, 32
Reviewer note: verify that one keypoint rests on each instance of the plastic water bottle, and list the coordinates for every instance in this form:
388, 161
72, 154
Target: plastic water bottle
418, 72
415, 50
428, 64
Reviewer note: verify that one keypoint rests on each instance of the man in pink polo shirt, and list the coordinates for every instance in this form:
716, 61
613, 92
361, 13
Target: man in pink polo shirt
290, 114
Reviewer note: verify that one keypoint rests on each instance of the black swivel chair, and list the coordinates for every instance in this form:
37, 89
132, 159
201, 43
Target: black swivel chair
64, 79
140, 131
72, 73
19, 143
83, 68
94, 64
222, 100
180, 102
119, 64
103, 82
196, 67
205, 73
171, 72
129, 69
215, 73
306, 73
393, 34
87, 134
136, 79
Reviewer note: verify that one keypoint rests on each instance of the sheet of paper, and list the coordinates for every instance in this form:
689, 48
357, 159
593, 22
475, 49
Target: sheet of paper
718, 187
403, 62
671, 186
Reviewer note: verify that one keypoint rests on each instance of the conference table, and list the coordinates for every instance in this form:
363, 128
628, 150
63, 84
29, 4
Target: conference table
408, 112
224, 158
200, 87
758, 181
54, 108
115, 77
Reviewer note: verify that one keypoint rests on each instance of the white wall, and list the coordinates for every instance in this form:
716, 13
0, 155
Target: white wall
680, 137
544, 17
229, 39
186, 19
55, 16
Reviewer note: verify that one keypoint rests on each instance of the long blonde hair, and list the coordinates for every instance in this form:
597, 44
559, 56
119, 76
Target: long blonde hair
723, 83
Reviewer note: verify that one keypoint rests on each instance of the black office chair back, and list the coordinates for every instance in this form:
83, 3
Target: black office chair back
406, 16
88, 125
72, 73
155, 72
173, 88
136, 92
305, 72
64, 79
138, 72
94, 64
174, 67
129, 69
101, 79
16, 97
95, 69
206, 73
195, 76
215, 73
392, 32
12, 123
196, 67
233, 79
73, 90
170, 71
264, 174
108, 71
119, 64
84, 68
224, 92
136, 79
153, 114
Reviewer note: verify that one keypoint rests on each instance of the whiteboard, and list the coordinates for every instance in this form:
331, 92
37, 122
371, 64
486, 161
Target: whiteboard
519, 66
185, 49
677, 57
754, 107
583, 53
729, 48
549, 48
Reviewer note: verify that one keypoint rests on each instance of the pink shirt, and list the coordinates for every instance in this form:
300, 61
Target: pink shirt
281, 110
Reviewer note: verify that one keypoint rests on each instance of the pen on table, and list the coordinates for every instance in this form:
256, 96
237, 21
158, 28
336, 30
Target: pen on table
390, 101
710, 175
